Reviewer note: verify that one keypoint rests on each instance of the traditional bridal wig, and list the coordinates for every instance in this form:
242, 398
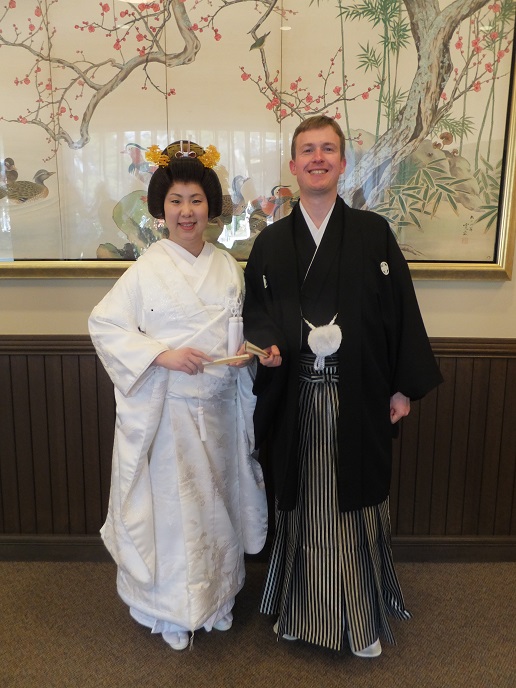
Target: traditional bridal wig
185, 170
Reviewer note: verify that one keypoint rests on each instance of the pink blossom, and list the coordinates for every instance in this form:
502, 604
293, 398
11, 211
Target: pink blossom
172, 92
12, 6
105, 7
139, 37
48, 86
444, 96
275, 101
360, 142
293, 86
338, 115
62, 110
91, 28
493, 35
116, 45
283, 113
23, 120
365, 95
37, 12
500, 54
245, 76
309, 98
476, 86
26, 81
31, 27
124, 13
458, 45
269, 106
217, 37
142, 6
155, 7
495, 8
141, 51
337, 90
76, 117
489, 67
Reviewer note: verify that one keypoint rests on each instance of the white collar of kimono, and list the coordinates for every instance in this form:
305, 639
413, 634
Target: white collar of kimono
316, 232
198, 261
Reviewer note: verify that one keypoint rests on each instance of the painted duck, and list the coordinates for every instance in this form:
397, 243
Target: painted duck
233, 204
8, 172
20, 192
139, 167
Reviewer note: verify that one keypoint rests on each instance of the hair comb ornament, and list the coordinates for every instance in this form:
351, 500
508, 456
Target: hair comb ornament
183, 149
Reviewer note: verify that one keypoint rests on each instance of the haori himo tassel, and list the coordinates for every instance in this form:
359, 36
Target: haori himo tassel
324, 341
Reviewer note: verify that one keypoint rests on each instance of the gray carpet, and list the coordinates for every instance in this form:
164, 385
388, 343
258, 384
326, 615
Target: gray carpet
63, 626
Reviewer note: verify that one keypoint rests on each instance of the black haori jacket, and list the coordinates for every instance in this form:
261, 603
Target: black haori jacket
384, 346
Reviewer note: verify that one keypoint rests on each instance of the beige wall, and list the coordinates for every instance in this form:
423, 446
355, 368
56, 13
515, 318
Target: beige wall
450, 309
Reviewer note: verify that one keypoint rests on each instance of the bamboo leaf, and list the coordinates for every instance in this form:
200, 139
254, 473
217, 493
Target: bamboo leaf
415, 220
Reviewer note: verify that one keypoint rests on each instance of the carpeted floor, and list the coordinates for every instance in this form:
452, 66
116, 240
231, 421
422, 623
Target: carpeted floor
63, 626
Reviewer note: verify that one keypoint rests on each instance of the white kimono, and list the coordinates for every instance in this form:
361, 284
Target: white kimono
187, 498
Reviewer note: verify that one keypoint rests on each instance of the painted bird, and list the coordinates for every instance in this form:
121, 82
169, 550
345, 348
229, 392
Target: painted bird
139, 167
233, 204
259, 42
278, 204
8, 172
19, 192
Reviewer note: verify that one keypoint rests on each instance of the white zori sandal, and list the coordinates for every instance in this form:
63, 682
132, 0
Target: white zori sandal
178, 640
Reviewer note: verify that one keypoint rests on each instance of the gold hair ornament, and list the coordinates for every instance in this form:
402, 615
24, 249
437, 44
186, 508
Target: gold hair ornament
209, 156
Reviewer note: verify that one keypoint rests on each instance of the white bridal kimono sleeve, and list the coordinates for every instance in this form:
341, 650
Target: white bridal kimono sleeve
184, 506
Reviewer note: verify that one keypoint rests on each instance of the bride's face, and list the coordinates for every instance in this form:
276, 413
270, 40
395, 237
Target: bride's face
186, 215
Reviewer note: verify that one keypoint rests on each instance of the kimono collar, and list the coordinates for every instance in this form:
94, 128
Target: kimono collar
316, 232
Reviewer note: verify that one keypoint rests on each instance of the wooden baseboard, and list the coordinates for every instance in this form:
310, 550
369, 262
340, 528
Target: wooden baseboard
458, 549
52, 548
405, 549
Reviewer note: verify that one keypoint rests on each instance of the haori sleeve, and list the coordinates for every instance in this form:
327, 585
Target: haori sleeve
416, 370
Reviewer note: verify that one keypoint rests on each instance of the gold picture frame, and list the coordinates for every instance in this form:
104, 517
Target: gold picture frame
500, 269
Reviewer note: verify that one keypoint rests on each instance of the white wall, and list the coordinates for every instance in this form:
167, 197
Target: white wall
450, 308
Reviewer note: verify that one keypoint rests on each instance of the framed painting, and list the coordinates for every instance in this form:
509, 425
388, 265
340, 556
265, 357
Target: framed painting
422, 90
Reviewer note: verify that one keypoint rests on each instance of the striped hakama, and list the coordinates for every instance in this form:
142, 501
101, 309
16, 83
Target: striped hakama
331, 574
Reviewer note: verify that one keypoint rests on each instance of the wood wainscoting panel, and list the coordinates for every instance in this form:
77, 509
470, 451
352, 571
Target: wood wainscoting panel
453, 493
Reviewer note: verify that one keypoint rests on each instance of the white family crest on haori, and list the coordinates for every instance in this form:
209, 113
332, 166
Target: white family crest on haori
384, 267
323, 341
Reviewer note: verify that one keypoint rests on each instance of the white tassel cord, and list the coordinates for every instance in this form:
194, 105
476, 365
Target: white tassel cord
323, 341
202, 424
